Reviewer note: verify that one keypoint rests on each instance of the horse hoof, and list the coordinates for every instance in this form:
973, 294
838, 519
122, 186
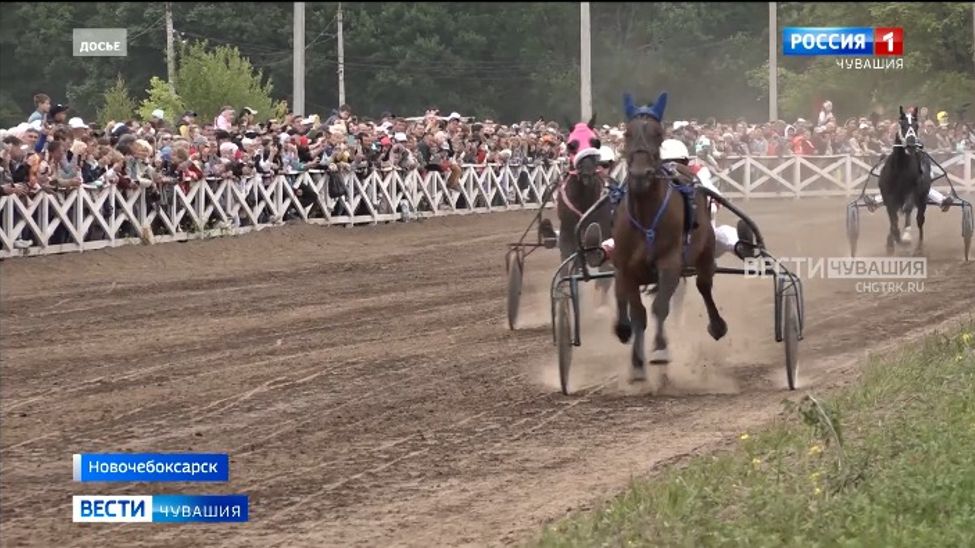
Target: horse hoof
717, 330
638, 374
623, 332
660, 357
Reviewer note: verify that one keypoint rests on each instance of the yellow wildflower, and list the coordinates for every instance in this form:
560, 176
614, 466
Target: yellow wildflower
815, 450
967, 339
817, 491
756, 462
743, 437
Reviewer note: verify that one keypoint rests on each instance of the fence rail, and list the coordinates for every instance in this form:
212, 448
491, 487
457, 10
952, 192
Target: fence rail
82, 220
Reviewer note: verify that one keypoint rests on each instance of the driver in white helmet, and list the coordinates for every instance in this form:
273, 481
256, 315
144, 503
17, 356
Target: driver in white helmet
607, 158
726, 237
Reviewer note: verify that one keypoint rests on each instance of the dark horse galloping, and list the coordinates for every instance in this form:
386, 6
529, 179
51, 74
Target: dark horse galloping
905, 181
657, 235
578, 191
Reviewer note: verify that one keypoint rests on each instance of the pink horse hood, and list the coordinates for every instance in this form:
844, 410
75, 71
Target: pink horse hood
584, 136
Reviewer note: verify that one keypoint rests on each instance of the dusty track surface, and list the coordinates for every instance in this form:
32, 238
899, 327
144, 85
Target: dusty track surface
366, 386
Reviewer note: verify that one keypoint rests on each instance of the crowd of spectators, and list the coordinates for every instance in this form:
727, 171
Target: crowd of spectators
53, 149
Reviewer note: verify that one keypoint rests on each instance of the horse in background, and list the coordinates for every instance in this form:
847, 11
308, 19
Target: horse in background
582, 187
905, 181
658, 233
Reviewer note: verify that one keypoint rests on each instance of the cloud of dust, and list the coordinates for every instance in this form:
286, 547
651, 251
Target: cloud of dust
699, 364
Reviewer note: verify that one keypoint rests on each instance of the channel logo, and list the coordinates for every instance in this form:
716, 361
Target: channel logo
862, 41
159, 508
111, 509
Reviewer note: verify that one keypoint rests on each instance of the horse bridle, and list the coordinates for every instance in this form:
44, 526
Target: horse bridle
910, 133
565, 197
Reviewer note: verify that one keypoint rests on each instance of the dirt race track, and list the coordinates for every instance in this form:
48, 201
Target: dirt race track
368, 390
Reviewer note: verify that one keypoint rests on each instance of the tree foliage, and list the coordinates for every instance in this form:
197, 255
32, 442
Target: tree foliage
117, 104
161, 96
208, 79
503, 60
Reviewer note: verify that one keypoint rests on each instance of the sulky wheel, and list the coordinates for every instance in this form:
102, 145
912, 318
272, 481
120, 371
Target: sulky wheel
853, 227
967, 227
563, 339
514, 287
790, 335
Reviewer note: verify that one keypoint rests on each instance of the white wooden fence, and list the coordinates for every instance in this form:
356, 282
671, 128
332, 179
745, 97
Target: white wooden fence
82, 220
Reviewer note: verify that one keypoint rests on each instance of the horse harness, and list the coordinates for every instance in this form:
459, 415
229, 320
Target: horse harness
565, 197
686, 190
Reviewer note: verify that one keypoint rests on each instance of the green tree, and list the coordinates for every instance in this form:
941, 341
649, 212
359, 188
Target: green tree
117, 104
207, 80
161, 96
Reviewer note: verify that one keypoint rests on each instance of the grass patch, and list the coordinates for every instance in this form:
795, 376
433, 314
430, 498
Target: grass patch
887, 462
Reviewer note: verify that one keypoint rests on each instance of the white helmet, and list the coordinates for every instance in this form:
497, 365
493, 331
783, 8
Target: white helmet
606, 155
672, 149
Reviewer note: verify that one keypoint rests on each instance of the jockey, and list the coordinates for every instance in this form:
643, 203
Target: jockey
607, 161
726, 237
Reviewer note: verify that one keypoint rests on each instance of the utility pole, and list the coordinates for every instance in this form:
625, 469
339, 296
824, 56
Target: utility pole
170, 50
299, 60
773, 63
973, 33
586, 65
341, 58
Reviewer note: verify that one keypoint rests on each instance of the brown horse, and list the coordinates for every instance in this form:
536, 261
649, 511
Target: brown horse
655, 240
582, 187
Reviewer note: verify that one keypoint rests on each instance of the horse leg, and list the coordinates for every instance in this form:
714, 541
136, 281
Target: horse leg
667, 281
717, 327
638, 317
623, 328
602, 291
894, 234
906, 235
920, 228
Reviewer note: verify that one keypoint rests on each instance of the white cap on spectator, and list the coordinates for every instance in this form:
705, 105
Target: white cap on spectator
454, 116
308, 121
77, 123
679, 124
228, 147
284, 138
384, 127
158, 114
246, 141
400, 136
20, 129
36, 124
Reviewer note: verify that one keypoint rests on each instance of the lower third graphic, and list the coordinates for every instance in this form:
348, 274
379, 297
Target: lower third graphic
159, 508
